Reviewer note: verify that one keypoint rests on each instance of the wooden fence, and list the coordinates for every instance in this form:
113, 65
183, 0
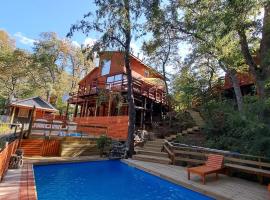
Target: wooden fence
115, 126
40, 147
5, 155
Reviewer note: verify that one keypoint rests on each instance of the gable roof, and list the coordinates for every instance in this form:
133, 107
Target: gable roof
38, 102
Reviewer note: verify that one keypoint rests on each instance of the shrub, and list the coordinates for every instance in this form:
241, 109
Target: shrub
246, 132
102, 142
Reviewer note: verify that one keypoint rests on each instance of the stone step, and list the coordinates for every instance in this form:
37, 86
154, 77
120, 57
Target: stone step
154, 159
152, 153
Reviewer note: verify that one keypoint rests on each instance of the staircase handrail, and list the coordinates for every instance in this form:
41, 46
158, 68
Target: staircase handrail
167, 147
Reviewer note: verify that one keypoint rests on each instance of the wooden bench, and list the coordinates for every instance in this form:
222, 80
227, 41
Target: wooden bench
233, 162
259, 168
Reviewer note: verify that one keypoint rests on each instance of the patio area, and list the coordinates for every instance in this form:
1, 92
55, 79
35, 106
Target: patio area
225, 188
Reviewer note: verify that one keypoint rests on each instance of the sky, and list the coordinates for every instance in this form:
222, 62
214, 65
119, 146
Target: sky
24, 20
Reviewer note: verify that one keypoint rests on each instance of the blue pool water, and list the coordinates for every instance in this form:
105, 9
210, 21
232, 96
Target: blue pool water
105, 180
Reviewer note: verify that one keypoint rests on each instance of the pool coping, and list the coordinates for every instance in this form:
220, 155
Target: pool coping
177, 182
28, 188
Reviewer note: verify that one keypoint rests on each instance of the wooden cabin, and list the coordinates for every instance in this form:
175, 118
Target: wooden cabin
246, 83
21, 110
102, 94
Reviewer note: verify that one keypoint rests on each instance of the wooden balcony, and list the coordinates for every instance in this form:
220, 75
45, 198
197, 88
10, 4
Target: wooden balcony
139, 87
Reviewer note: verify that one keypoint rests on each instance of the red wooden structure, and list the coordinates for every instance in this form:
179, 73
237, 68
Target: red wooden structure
103, 92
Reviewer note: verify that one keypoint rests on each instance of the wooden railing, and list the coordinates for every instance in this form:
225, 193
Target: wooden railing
139, 87
194, 155
5, 155
46, 128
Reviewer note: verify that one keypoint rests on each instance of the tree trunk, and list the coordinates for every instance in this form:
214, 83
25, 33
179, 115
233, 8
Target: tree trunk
237, 89
265, 48
253, 68
131, 104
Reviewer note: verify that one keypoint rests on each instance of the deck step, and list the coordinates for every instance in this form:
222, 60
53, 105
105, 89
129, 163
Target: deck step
154, 159
153, 145
156, 149
152, 153
156, 142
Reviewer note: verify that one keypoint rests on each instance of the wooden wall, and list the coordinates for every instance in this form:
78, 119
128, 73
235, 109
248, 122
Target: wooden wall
40, 147
117, 126
5, 157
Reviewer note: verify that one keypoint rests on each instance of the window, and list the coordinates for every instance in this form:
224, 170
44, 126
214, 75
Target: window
115, 78
23, 113
146, 73
105, 67
118, 77
110, 79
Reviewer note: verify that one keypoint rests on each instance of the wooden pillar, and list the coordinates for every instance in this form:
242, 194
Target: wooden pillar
96, 108
81, 110
32, 118
67, 110
85, 108
12, 115
109, 108
151, 112
76, 110
144, 112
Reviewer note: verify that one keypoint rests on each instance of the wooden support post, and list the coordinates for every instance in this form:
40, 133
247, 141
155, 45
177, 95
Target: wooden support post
81, 110
96, 108
67, 110
151, 113
76, 110
21, 135
32, 117
12, 115
50, 132
144, 112
109, 109
15, 131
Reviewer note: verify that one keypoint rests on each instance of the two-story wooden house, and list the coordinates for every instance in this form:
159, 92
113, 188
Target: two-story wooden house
102, 95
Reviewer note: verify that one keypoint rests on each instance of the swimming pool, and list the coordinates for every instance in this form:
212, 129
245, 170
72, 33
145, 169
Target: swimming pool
105, 180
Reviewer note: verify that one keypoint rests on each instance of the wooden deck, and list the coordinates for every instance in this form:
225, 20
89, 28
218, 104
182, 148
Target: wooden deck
225, 188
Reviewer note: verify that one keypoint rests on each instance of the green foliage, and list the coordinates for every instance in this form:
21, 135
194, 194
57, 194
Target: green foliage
103, 143
246, 132
4, 128
51, 71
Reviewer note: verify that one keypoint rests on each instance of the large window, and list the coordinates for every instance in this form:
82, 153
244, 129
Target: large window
105, 67
115, 78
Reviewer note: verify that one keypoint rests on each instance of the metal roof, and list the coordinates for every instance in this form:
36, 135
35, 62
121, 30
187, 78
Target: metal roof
38, 102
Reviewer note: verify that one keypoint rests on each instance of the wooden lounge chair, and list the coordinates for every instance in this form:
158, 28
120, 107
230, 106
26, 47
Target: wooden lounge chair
214, 164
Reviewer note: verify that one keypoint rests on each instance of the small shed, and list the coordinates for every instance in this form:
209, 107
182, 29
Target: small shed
21, 110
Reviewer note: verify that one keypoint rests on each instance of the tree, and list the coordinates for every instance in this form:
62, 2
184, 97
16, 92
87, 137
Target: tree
162, 48
50, 55
235, 17
14, 68
203, 25
117, 21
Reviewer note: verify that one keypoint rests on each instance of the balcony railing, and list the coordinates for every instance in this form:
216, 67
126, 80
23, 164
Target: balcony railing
139, 87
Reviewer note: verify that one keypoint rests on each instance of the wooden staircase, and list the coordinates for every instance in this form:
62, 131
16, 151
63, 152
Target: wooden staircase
151, 152
197, 118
